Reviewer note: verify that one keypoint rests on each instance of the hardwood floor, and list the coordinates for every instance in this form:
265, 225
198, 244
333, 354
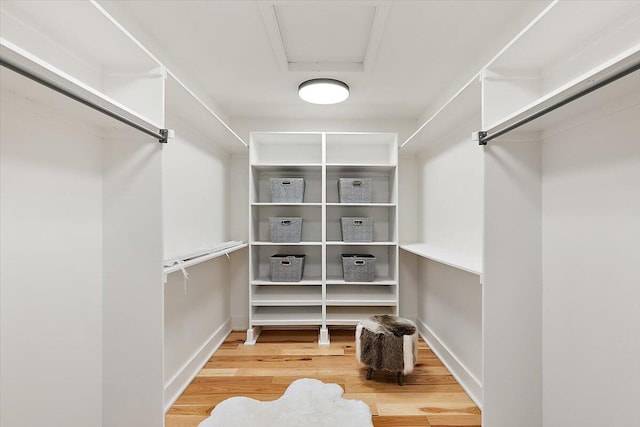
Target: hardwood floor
429, 397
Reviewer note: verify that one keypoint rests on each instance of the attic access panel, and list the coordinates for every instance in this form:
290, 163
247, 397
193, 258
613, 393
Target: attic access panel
324, 36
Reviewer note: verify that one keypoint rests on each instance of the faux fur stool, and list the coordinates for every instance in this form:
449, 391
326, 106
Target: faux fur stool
388, 343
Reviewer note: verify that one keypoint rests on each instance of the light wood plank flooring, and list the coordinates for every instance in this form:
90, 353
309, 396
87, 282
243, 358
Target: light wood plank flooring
429, 397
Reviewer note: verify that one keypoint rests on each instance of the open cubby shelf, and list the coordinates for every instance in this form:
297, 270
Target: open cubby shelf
322, 298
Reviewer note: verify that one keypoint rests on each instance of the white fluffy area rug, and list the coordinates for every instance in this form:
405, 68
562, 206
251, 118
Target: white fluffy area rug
305, 403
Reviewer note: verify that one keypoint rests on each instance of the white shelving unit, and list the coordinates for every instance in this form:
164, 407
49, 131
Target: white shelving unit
322, 298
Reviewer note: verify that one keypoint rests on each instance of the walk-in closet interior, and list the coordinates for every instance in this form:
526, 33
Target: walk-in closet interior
140, 143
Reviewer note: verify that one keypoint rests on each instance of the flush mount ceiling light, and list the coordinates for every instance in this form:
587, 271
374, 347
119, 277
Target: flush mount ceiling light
323, 91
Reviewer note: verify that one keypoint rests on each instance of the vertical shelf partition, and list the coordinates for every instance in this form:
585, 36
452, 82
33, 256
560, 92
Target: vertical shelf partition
322, 298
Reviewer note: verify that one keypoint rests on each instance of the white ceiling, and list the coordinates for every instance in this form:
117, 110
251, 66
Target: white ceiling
398, 57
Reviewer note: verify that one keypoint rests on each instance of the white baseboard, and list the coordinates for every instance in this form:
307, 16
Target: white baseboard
467, 380
179, 382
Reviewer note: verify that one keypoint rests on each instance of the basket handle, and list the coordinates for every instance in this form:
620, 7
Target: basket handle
285, 183
285, 262
285, 222
359, 262
357, 183
358, 222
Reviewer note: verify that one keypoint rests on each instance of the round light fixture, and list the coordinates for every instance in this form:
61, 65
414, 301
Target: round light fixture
323, 91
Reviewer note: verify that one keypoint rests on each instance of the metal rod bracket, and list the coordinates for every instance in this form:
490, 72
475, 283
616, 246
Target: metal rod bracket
164, 134
481, 137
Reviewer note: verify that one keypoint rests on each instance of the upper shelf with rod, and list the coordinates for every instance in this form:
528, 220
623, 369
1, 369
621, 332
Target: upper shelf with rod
548, 57
81, 48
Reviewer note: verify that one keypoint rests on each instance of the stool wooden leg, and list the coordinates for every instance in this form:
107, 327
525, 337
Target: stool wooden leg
400, 378
369, 373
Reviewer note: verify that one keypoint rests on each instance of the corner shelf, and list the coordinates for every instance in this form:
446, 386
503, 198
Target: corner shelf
444, 256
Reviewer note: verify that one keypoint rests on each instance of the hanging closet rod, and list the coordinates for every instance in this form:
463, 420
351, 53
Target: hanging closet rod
484, 137
160, 134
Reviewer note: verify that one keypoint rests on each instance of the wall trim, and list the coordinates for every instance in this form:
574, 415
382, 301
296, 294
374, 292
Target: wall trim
179, 382
460, 372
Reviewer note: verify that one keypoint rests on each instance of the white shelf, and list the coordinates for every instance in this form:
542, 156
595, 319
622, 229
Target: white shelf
282, 149
184, 106
582, 82
203, 258
360, 295
338, 280
285, 166
49, 73
339, 243
368, 205
550, 41
286, 244
284, 204
265, 281
444, 256
374, 167
559, 54
287, 316
463, 105
351, 315
286, 295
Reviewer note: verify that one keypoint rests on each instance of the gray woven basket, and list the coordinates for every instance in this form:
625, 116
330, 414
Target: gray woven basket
358, 267
285, 229
355, 190
287, 190
286, 268
357, 229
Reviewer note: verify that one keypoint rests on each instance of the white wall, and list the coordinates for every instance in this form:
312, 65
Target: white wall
132, 281
512, 298
196, 321
591, 265
197, 189
50, 264
450, 314
449, 212
239, 222
408, 232
450, 184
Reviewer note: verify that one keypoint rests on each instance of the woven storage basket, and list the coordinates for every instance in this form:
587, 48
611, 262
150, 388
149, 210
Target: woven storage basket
357, 229
287, 190
286, 268
358, 267
285, 229
355, 190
